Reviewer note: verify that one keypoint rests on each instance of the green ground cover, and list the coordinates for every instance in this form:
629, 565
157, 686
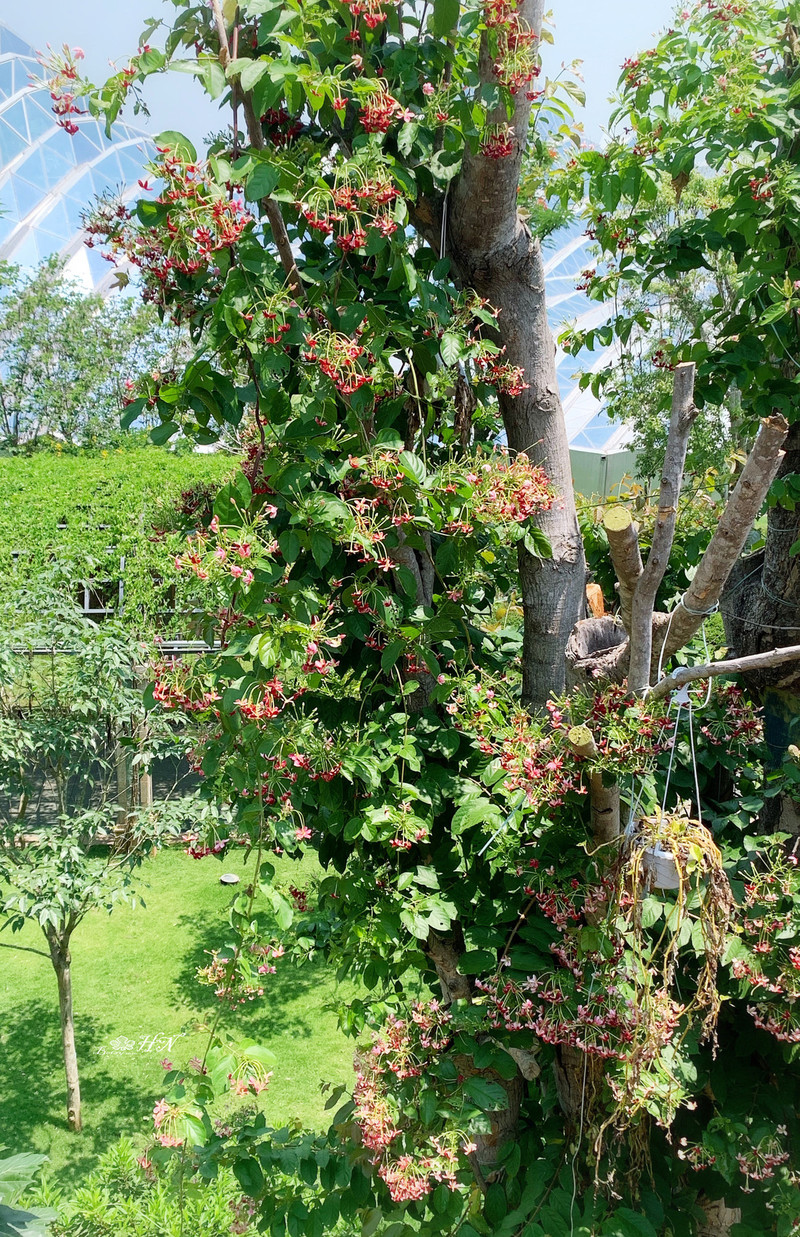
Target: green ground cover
107, 516
133, 977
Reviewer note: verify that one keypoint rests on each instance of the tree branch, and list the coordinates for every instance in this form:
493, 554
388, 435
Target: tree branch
485, 194
255, 136
730, 535
626, 557
681, 421
734, 665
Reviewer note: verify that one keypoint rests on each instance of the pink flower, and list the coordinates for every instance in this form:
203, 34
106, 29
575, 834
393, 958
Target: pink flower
429, 88
247, 579
214, 525
302, 833
270, 510
78, 53
165, 1064
236, 570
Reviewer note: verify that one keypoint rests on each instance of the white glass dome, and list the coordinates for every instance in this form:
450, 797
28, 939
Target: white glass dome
47, 178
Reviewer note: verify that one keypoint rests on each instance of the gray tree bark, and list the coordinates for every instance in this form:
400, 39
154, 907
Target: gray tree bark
494, 253
62, 961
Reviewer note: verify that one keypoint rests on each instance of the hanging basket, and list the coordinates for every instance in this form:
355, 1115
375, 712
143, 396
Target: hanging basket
659, 868
663, 845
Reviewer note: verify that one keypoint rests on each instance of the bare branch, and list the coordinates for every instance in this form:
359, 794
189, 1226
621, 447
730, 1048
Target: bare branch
626, 557
713, 670
681, 421
731, 533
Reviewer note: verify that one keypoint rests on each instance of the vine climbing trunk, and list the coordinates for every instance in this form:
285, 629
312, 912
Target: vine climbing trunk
494, 252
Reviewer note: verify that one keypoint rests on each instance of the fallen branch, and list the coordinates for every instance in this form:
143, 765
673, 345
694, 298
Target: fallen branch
734, 665
730, 535
626, 557
683, 415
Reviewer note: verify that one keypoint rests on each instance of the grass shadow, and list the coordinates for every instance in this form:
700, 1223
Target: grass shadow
292, 996
34, 1089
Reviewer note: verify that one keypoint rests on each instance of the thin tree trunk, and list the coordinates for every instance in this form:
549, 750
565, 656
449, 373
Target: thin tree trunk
61, 959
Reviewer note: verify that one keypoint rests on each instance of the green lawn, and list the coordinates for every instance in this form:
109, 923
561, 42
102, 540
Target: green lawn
133, 976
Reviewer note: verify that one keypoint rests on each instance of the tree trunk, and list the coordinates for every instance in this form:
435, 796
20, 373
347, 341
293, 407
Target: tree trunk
553, 590
761, 604
60, 955
718, 1219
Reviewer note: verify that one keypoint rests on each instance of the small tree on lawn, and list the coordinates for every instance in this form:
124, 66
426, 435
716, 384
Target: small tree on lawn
72, 732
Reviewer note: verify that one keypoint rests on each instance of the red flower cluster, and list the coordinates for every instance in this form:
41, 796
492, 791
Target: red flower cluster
506, 379
498, 12
403, 1052
346, 210
63, 70
281, 128
498, 142
510, 492
517, 64
338, 357
372, 11
586, 1002
379, 111
200, 220
760, 189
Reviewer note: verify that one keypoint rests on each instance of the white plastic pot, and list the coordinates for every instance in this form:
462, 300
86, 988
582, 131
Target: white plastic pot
660, 869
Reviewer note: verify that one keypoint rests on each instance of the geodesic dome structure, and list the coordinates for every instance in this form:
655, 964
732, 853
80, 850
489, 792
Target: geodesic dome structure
599, 447
47, 178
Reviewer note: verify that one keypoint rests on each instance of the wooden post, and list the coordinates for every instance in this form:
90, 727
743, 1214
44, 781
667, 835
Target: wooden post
623, 542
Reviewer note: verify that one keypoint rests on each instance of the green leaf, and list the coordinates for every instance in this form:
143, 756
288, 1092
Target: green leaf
321, 548
289, 543
428, 1104
451, 348
178, 143
444, 18
152, 60
494, 1206
391, 654
477, 962
130, 414
629, 1223
249, 1175
489, 1096
17, 1223
412, 466
445, 164
261, 182
537, 543
252, 73
447, 557
160, 434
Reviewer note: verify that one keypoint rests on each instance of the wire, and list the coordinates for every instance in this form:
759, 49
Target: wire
580, 1130
774, 597
671, 759
694, 766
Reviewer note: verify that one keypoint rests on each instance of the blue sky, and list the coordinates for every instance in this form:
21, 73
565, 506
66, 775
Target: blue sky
599, 32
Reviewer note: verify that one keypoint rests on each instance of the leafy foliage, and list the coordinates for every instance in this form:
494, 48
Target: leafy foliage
69, 358
103, 519
363, 696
